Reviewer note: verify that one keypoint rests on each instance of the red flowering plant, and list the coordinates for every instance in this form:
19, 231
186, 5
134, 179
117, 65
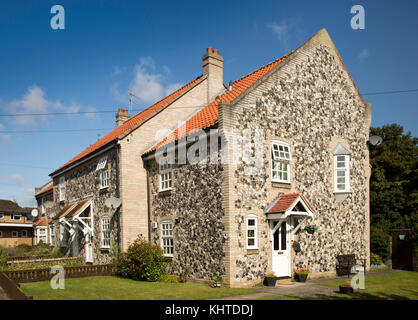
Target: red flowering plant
302, 270
346, 284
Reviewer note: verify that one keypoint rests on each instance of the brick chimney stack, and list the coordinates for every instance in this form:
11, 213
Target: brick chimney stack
121, 117
213, 67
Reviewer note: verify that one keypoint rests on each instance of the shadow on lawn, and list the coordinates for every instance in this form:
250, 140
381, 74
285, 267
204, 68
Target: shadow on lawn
360, 296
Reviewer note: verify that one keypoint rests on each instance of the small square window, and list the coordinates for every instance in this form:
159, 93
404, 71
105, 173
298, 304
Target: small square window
15, 234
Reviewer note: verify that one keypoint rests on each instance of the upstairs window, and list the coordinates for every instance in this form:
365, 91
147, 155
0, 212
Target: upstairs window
167, 238
165, 176
15, 217
341, 169
62, 188
280, 162
104, 179
252, 242
341, 173
102, 163
43, 205
105, 232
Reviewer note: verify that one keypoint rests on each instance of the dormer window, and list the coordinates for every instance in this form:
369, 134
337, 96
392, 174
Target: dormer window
280, 162
102, 163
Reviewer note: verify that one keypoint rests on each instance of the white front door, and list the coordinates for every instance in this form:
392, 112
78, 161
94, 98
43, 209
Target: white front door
281, 248
89, 248
75, 243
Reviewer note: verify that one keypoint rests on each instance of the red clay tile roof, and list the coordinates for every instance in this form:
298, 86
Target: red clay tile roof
286, 201
40, 222
46, 189
133, 122
208, 116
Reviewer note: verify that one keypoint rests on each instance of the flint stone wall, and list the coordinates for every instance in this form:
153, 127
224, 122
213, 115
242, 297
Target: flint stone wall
80, 183
308, 107
195, 206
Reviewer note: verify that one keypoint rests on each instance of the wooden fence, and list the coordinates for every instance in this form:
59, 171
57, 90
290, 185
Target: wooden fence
23, 258
12, 289
20, 276
43, 261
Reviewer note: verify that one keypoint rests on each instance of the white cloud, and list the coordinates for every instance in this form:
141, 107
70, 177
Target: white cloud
147, 84
17, 179
34, 101
283, 30
363, 55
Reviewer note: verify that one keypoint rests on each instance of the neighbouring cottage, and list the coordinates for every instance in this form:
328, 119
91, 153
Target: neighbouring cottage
243, 172
15, 226
98, 201
302, 164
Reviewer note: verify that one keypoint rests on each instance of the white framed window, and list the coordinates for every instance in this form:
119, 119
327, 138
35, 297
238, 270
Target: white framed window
24, 233
104, 179
102, 163
252, 232
15, 217
165, 176
1, 234
15, 234
341, 173
41, 235
280, 162
62, 188
167, 238
52, 235
1, 215
105, 232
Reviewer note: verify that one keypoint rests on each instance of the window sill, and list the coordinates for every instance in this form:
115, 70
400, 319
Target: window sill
252, 251
104, 248
284, 185
164, 192
168, 258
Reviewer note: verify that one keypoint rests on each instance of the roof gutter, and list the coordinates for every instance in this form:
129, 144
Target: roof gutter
94, 154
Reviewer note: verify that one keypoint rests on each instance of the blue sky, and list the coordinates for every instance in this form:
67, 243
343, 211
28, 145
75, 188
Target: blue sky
152, 48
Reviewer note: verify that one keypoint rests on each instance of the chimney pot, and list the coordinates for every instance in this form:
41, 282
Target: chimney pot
213, 68
121, 117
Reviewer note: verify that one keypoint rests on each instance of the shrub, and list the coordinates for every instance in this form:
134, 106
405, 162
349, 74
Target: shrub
380, 243
3, 257
375, 259
56, 253
142, 261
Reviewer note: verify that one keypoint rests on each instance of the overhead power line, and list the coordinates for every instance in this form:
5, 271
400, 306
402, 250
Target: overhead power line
56, 131
389, 92
25, 166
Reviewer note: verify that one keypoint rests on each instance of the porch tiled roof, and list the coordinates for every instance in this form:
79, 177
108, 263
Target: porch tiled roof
72, 210
285, 201
208, 116
133, 122
40, 222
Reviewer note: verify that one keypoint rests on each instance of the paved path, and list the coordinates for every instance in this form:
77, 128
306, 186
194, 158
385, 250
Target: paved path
3, 295
311, 288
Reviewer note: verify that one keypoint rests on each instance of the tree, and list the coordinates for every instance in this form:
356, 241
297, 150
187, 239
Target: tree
393, 184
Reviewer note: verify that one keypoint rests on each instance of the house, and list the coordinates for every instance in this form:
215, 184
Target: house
244, 171
15, 227
236, 187
43, 226
99, 198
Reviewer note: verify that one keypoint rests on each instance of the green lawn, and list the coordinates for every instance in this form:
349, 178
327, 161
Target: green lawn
395, 286
114, 288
